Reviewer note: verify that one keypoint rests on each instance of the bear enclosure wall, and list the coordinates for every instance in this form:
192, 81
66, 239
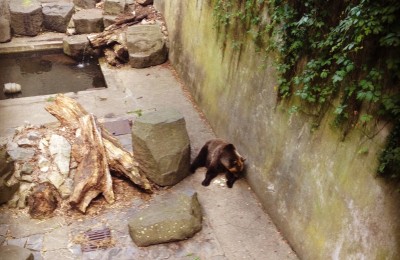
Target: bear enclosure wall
320, 191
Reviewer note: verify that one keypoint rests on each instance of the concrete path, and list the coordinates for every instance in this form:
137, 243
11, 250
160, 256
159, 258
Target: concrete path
234, 225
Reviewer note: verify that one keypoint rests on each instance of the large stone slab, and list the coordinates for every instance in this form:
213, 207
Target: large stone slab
88, 21
114, 7
5, 30
77, 46
26, 17
87, 4
56, 16
146, 46
11, 252
161, 146
175, 218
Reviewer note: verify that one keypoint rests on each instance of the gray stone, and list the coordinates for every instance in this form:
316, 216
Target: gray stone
27, 168
88, 21
56, 16
7, 189
114, 7
18, 153
33, 135
25, 142
5, 30
146, 46
77, 46
109, 20
55, 178
60, 150
86, 3
161, 145
12, 252
144, 2
175, 218
26, 17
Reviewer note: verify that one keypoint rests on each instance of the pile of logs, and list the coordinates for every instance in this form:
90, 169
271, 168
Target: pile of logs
97, 153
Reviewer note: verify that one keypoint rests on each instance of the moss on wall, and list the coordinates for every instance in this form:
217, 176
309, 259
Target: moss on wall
320, 191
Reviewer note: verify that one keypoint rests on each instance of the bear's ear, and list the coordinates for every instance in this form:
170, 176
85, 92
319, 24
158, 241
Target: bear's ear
229, 147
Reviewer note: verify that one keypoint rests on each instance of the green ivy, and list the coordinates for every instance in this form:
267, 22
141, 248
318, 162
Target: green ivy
330, 50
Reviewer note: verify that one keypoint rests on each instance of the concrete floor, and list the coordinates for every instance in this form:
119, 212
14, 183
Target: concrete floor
234, 225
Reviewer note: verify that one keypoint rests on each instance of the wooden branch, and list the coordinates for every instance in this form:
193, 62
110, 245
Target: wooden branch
68, 111
93, 175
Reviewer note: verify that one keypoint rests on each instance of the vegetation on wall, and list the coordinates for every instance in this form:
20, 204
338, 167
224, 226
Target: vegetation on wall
341, 56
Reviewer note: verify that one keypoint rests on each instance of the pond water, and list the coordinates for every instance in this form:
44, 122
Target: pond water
43, 73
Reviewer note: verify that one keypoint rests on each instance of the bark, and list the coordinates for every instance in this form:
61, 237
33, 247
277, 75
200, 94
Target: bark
97, 152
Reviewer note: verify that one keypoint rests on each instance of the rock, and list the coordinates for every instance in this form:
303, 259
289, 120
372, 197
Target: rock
33, 135
60, 150
43, 200
11, 88
146, 46
161, 146
5, 30
55, 178
26, 17
56, 16
11, 252
7, 191
27, 168
145, 2
88, 21
18, 153
43, 164
66, 188
109, 20
175, 218
85, 3
114, 7
24, 191
77, 46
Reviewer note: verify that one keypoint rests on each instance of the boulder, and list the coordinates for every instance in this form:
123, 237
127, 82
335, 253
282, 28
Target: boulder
26, 17
19, 153
60, 150
174, 218
109, 20
56, 16
5, 30
88, 21
11, 252
161, 146
146, 46
145, 2
7, 190
86, 4
77, 46
114, 7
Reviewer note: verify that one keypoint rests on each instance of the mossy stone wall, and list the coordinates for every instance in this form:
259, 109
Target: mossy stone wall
321, 192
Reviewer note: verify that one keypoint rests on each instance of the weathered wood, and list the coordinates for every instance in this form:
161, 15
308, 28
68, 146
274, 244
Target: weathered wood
121, 52
110, 35
111, 57
68, 111
93, 175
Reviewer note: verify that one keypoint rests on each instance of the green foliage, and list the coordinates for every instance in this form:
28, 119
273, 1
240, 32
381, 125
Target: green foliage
346, 50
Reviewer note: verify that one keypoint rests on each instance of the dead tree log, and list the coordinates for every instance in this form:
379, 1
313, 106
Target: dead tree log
93, 175
68, 112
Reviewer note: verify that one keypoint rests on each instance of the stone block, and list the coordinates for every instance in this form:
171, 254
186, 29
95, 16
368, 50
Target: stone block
7, 190
175, 218
26, 17
145, 2
161, 146
109, 20
86, 4
56, 16
11, 252
77, 46
5, 30
146, 46
114, 7
88, 21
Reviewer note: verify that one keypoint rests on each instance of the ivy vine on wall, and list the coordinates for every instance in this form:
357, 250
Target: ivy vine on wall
330, 51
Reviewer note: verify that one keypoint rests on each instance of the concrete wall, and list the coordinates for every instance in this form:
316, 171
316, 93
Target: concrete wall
320, 191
